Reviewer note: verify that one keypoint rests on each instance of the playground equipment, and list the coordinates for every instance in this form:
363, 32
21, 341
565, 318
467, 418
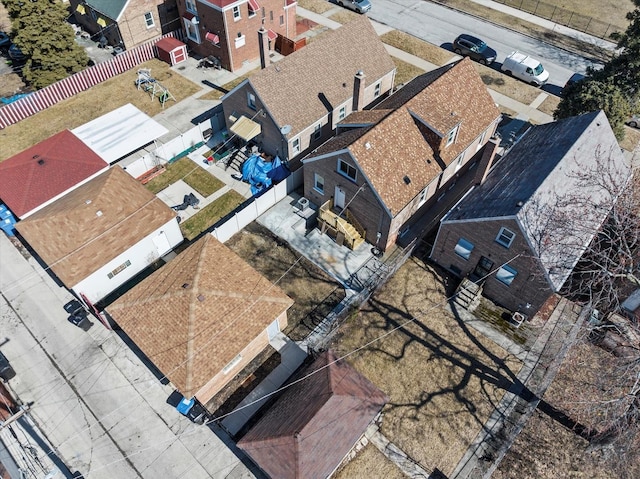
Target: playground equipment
152, 86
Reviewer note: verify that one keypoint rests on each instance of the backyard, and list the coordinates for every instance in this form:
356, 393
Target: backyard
443, 379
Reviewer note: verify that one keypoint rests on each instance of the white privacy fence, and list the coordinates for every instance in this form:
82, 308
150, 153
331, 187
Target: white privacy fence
258, 206
179, 146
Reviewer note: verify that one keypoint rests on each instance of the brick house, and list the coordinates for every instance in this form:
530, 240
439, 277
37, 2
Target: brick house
203, 317
311, 428
398, 161
126, 23
511, 233
101, 234
228, 29
297, 102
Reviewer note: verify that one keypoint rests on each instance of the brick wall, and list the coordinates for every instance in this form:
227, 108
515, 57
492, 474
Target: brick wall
529, 285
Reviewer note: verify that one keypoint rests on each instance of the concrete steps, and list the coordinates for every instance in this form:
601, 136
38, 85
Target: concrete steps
468, 295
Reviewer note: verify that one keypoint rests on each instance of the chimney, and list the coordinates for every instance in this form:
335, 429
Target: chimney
486, 161
358, 91
263, 38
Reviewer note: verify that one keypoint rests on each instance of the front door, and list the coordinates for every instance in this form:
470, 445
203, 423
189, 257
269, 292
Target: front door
483, 268
338, 199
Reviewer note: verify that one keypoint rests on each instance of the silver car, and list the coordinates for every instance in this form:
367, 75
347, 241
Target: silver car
360, 6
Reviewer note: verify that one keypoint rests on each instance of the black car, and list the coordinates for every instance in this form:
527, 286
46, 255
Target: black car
5, 41
16, 54
6, 371
474, 48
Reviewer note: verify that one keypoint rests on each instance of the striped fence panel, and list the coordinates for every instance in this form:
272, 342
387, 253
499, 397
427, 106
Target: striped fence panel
83, 80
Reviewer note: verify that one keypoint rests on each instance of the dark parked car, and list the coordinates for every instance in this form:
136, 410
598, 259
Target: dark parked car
16, 54
5, 41
575, 78
474, 48
6, 371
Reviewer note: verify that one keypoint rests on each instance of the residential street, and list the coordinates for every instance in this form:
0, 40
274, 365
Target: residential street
99, 405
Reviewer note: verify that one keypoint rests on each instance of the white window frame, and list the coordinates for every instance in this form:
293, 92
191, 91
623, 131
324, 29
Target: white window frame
506, 274
295, 145
251, 101
317, 132
318, 183
188, 25
458, 161
342, 112
505, 237
191, 6
236, 13
148, 16
451, 137
464, 248
347, 168
481, 140
376, 90
423, 195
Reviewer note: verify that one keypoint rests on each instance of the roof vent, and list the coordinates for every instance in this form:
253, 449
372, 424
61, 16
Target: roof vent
41, 161
519, 204
98, 213
406, 179
367, 145
87, 202
186, 285
201, 298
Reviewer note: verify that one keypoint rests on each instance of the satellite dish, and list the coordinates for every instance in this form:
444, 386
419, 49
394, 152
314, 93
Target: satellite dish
285, 130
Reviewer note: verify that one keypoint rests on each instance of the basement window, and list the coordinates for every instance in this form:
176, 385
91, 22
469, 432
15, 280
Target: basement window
119, 269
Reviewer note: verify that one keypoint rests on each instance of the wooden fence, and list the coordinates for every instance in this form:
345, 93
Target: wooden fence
83, 80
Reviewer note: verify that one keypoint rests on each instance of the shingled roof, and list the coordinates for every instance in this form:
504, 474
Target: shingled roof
543, 166
398, 145
89, 226
197, 313
46, 170
293, 89
309, 430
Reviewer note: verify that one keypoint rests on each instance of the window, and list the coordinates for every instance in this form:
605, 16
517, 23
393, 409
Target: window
271, 15
458, 162
376, 90
318, 183
452, 136
264, 13
346, 169
342, 113
317, 132
463, 248
251, 100
295, 144
119, 269
505, 237
506, 274
281, 20
192, 31
148, 18
191, 6
236, 13
234, 362
423, 195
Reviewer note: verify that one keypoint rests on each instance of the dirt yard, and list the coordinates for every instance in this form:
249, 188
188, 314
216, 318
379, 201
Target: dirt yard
314, 292
443, 378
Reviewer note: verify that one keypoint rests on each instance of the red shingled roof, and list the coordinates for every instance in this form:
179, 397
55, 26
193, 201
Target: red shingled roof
44, 171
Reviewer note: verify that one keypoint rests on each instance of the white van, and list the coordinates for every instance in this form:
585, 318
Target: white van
525, 68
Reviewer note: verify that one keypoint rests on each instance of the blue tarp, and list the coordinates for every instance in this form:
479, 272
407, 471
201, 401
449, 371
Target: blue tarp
7, 221
260, 174
185, 405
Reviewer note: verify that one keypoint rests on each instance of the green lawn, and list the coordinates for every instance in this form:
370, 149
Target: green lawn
193, 175
210, 214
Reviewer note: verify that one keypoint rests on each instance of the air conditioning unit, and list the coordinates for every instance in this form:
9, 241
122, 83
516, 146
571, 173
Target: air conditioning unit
195, 20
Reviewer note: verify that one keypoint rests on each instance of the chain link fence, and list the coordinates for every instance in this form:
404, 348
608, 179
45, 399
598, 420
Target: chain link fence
568, 18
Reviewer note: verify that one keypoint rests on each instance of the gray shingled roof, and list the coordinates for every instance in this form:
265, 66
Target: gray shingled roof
110, 8
292, 88
538, 182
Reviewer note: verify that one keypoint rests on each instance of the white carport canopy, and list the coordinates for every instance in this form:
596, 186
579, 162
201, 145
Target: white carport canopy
119, 132
245, 128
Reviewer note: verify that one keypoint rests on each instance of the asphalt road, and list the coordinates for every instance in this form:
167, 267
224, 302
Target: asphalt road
440, 25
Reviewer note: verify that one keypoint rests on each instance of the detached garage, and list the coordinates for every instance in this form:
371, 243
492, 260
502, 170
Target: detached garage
171, 50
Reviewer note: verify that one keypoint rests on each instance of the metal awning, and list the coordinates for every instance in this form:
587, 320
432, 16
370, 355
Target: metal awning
272, 35
212, 37
254, 6
246, 128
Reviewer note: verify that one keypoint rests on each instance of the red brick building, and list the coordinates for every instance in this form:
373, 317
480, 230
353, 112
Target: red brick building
228, 29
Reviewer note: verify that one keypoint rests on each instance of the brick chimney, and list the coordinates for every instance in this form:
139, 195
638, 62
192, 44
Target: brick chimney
358, 91
263, 38
486, 161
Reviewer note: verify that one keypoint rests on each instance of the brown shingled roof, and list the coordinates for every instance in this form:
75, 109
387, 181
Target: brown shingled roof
309, 430
198, 312
89, 226
291, 88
